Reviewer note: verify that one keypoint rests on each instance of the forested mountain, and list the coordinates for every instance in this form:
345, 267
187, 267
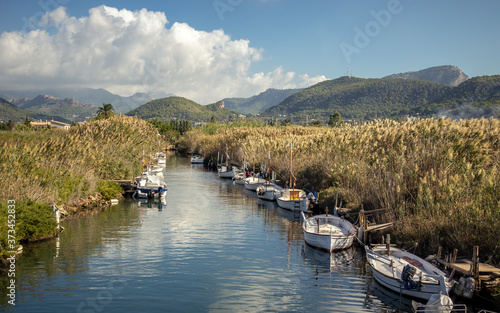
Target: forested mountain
360, 98
8, 111
446, 74
183, 109
47, 105
260, 102
88, 95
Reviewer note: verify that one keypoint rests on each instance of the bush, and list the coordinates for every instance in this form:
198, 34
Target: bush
33, 220
109, 189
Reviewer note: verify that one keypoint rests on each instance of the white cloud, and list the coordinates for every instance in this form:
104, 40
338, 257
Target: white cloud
127, 52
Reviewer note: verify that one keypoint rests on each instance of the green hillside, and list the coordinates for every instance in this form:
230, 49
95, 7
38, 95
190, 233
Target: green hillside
259, 103
182, 109
359, 98
11, 112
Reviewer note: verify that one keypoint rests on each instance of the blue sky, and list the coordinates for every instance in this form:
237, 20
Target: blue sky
238, 47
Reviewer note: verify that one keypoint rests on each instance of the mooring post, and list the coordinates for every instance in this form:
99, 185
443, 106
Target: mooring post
454, 258
388, 245
440, 250
475, 266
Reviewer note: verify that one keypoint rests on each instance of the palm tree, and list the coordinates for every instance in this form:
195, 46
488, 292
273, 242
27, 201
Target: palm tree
106, 110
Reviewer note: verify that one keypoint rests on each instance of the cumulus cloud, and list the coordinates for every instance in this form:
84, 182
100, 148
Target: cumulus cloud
134, 51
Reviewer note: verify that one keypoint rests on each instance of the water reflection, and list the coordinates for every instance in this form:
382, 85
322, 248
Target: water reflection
210, 246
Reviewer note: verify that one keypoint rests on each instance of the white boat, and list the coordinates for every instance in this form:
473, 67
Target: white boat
225, 172
239, 178
328, 232
406, 273
268, 191
251, 183
161, 158
149, 185
293, 200
197, 159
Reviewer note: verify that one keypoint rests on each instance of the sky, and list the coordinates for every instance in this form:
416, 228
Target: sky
207, 50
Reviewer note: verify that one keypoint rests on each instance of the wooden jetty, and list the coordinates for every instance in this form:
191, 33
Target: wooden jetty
368, 222
486, 276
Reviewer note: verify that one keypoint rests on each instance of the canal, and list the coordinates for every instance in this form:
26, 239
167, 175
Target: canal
210, 247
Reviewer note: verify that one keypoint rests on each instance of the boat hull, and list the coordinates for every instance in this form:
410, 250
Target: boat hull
253, 183
390, 276
341, 239
223, 172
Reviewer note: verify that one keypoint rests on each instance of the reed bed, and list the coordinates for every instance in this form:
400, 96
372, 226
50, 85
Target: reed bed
439, 178
57, 166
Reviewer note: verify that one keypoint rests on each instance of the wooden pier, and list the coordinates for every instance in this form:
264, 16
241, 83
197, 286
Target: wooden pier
368, 222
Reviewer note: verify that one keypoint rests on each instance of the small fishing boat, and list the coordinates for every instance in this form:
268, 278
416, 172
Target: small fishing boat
292, 199
252, 182
328, 232
197, 159
406, 273
268, 191
149, 185
239, 178
226, 172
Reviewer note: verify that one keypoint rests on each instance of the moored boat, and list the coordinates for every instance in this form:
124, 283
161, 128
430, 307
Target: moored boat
406, 273
149, 185
328, 232
226, 172
252, 182
197, 159
293, 200
268, 191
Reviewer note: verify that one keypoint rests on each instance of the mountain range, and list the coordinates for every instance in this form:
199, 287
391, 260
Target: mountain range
259, 103
436, 91
92, 96
361, 98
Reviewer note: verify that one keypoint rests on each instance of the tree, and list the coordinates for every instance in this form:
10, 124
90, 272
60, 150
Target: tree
286, 122
27, 121
11, 125
335, 120
107, 110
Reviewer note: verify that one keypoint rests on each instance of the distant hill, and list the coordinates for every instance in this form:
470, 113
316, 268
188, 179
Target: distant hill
260, 102
90, 96
48, 105
9, 111
359, 98
474, 98
446, 74
182, 109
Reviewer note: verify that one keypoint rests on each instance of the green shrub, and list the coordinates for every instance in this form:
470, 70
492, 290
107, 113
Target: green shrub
109, 189
32, 220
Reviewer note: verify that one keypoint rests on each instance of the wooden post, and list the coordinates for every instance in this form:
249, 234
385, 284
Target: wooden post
475, 265
454, 258
388, 245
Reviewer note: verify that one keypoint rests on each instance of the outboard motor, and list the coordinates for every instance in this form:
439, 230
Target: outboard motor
407, 277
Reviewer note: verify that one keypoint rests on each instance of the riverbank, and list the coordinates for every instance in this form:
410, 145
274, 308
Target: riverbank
438, 179
69, 168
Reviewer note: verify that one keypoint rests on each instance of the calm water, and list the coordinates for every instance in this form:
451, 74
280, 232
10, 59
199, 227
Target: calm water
212, 247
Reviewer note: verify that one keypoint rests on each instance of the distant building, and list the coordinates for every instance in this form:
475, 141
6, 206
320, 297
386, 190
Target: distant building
221, 105
50, 123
